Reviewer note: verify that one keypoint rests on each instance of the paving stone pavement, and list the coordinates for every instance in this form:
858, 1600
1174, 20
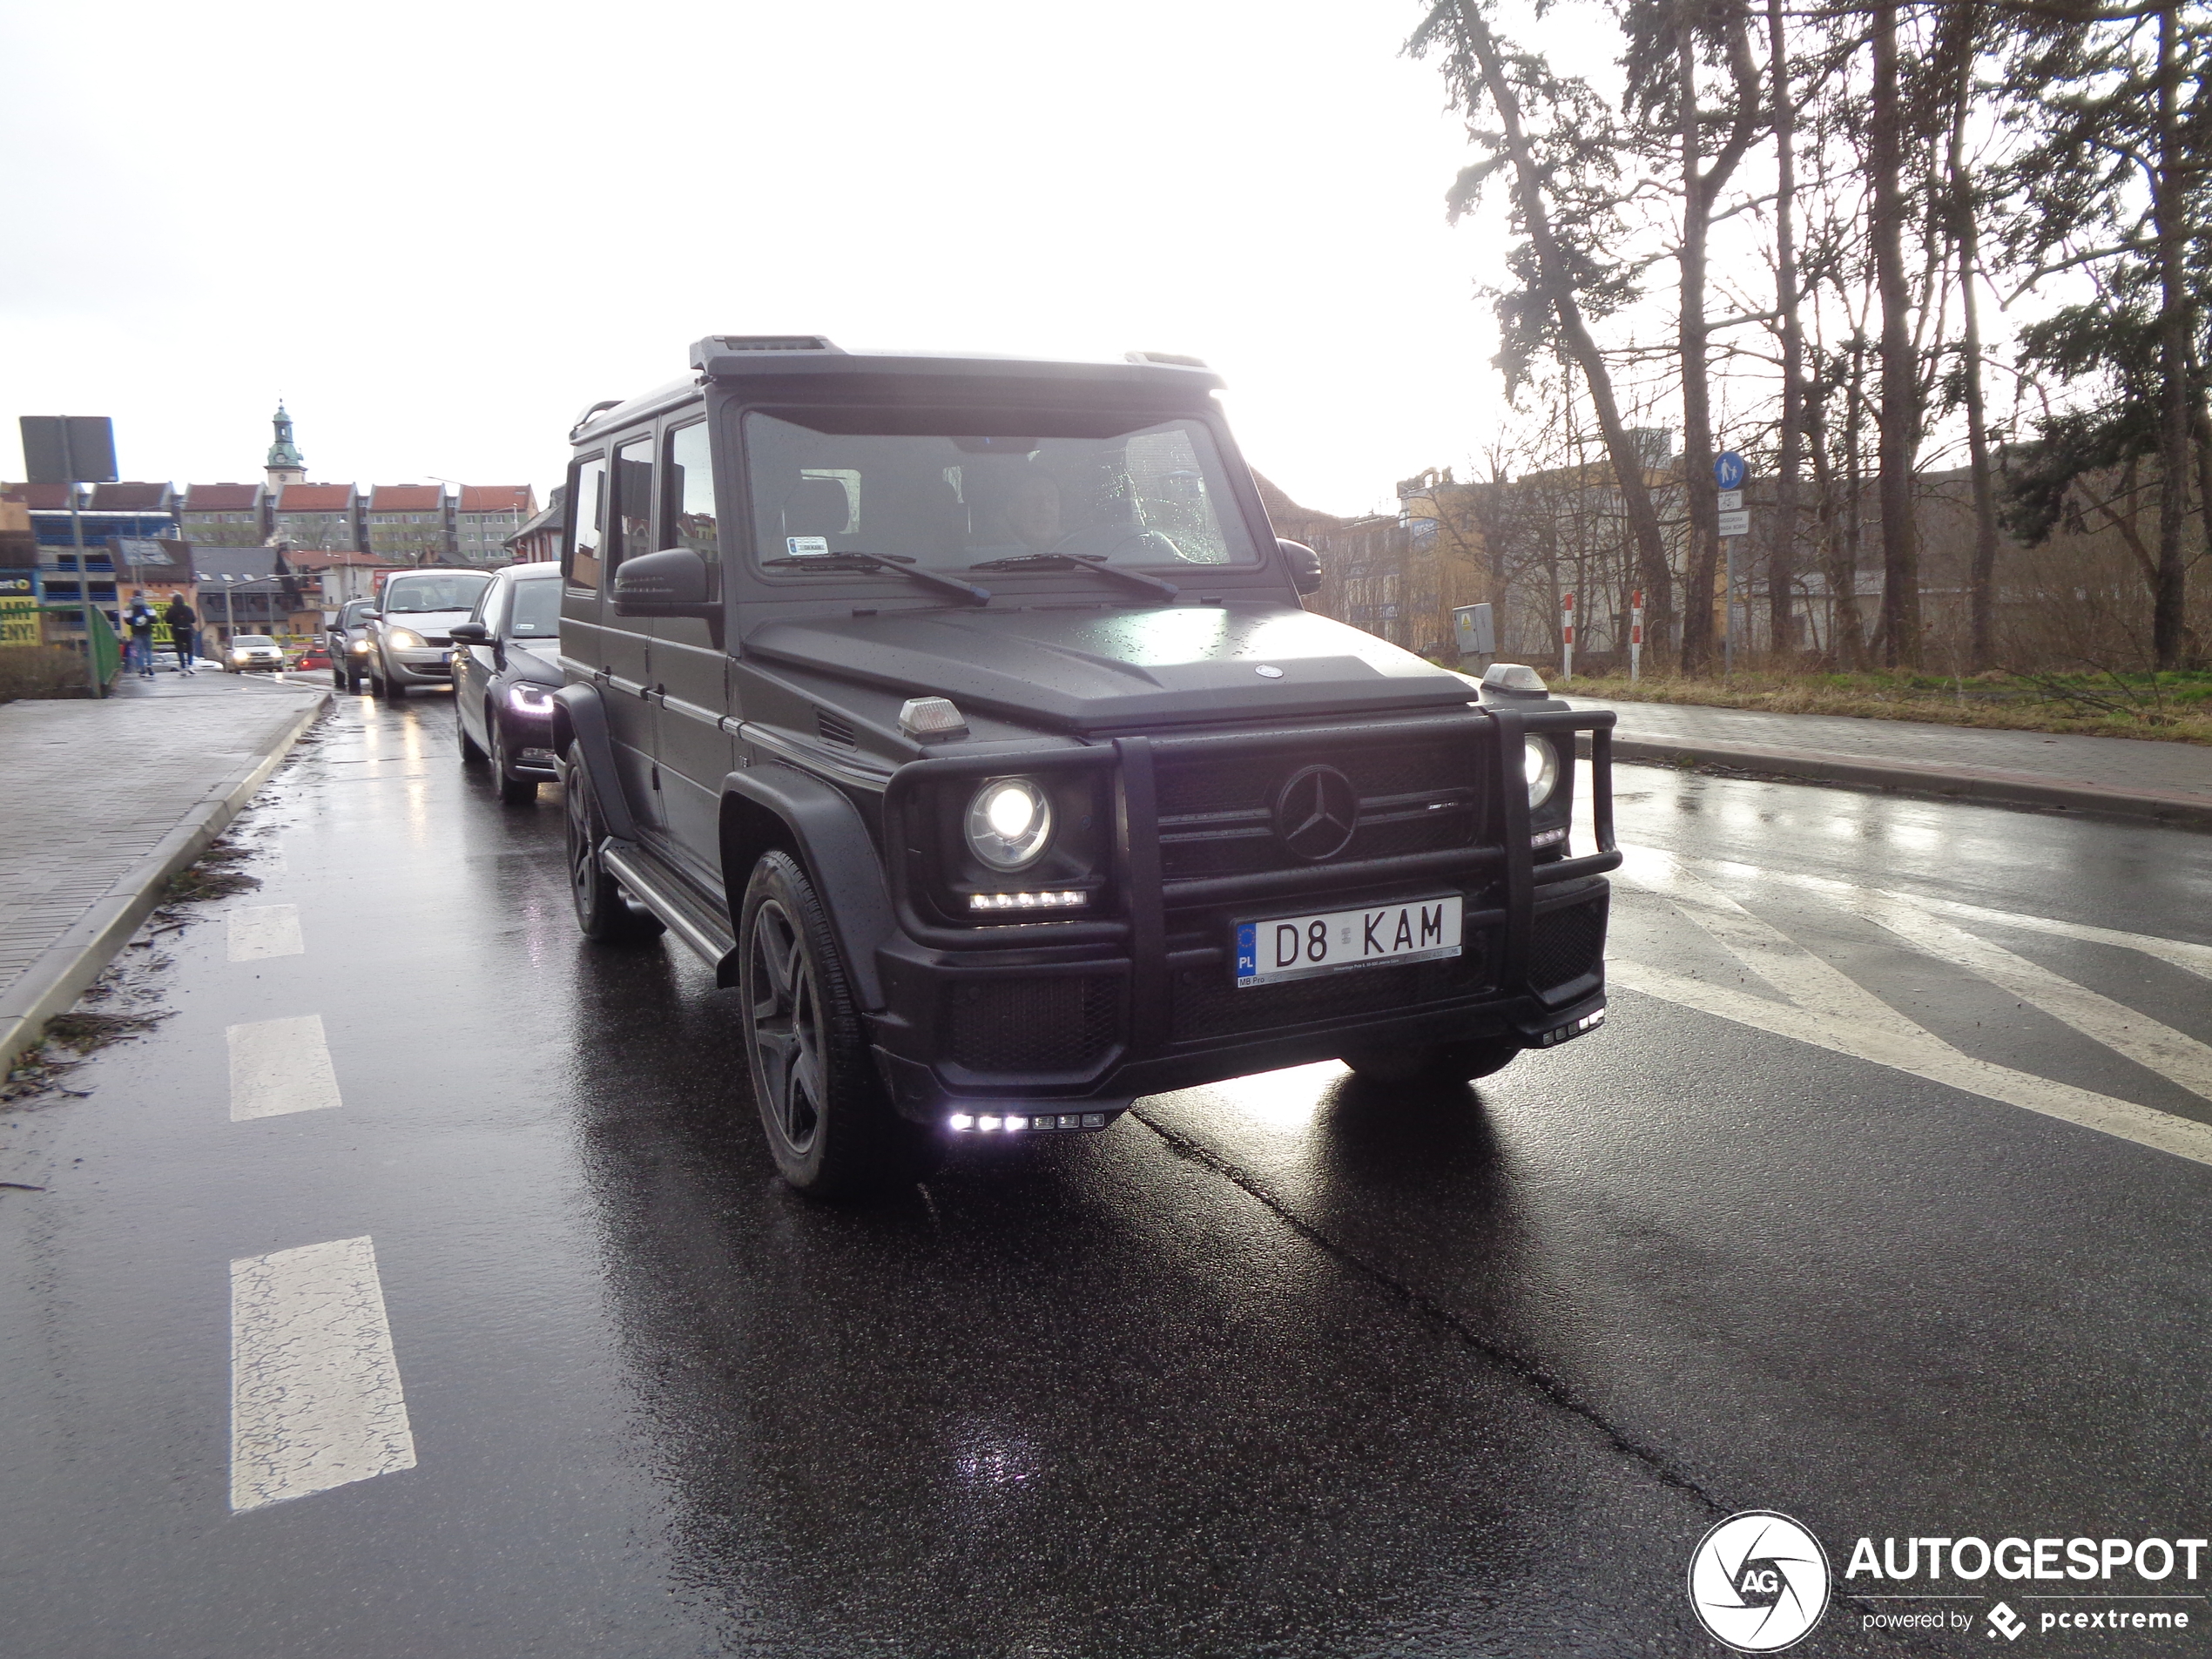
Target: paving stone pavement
88, 790
2120, 766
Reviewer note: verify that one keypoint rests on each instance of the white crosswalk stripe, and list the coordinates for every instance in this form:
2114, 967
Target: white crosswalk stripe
1828, 1009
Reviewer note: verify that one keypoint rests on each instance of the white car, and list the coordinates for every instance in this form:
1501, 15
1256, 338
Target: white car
249, 651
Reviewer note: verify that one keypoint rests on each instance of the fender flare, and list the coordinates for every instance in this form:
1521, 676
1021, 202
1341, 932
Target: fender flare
832, 841
581, 718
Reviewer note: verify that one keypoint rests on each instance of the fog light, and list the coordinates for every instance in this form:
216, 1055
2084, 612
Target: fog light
1548, 838
1017, 1123
961, 1121
987, 1122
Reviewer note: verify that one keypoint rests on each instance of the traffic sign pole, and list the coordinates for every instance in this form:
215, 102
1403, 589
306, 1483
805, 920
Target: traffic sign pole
1732, 526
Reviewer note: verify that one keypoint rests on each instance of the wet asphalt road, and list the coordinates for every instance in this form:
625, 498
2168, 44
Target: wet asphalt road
1286, 1367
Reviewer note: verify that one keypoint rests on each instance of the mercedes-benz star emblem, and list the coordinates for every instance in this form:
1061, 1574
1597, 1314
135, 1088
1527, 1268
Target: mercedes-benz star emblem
1317, 812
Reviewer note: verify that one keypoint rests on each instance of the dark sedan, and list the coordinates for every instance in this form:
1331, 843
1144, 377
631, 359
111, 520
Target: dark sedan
506, 668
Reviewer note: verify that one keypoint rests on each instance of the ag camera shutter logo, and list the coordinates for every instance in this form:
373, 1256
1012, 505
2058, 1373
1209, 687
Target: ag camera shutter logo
1758, 1581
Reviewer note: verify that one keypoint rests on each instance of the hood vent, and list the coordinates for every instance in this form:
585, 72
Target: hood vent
835, 730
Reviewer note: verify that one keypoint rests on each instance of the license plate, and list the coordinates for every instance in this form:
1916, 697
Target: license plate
1286, 947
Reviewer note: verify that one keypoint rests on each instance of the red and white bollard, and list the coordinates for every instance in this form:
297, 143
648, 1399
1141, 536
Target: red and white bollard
1635, 635
1567, 636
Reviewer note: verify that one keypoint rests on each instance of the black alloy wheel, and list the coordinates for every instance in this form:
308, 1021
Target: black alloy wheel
472, 753
513, 790
830, 1129
1435, 1063
603, 911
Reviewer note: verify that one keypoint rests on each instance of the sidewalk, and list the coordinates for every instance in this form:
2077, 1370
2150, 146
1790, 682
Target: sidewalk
106, 800
2113, 777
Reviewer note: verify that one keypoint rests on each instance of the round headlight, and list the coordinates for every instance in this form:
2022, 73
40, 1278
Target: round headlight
1009, 822
1541, 762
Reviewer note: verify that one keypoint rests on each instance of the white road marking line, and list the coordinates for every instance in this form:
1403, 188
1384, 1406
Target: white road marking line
266, 930
2174, 1055
315, 1396
1807, 980
1926, 1058
279, 1066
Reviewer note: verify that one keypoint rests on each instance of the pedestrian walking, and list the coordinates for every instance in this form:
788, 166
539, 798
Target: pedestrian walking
182, 620
139, 619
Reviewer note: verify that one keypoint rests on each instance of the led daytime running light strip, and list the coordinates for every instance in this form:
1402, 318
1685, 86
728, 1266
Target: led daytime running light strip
995, 901
963, 1122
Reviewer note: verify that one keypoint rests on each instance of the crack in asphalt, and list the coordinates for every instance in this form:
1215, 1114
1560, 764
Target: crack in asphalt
1553, 1387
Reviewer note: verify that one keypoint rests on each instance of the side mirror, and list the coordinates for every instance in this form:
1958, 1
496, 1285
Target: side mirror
1305, 566
672, 583
473, 633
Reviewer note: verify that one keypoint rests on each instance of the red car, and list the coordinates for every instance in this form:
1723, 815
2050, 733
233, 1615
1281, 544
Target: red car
313, 656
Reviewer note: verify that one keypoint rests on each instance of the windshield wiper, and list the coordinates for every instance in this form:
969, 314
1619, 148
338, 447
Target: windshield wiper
896, 563
1070, 561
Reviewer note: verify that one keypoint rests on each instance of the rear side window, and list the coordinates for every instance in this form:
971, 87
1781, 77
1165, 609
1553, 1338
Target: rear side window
633, 499
587, 523
690, 489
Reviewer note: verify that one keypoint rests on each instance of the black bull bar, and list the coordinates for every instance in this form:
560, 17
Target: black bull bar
1501, 852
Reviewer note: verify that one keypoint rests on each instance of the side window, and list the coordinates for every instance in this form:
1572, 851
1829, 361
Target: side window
633, 499
491, 606
587, 523
690, 489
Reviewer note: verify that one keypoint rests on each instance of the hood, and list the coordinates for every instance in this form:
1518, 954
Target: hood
1083, 670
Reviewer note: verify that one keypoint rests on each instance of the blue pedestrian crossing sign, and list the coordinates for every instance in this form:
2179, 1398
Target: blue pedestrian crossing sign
1728, 469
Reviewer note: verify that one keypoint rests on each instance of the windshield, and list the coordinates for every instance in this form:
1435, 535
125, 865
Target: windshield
954, 491
252, 639
536, 610
447, 590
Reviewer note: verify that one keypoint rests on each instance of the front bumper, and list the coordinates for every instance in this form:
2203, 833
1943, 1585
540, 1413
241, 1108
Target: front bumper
1111, 1009
431, 667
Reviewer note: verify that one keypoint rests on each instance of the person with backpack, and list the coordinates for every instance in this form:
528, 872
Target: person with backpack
139, 619
181, 619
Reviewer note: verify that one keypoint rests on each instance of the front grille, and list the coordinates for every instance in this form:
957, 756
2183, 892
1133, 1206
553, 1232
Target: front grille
1206, 1003
1055, 1024
1217, 813
1566, 944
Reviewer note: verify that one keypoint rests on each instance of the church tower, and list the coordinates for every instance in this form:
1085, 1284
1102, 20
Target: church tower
287, 464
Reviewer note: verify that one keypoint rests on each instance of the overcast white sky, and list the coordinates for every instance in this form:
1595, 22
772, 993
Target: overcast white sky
440, 230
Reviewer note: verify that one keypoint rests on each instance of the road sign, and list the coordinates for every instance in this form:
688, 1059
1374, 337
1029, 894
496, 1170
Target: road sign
1736, 523
68, 448
1728, 469
1732, 500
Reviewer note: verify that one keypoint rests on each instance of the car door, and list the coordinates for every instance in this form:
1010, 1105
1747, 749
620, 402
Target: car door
595, 643
625, 644
691, 663
473, 666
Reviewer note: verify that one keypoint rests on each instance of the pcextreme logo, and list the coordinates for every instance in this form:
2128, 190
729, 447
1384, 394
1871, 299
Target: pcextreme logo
1758, 1581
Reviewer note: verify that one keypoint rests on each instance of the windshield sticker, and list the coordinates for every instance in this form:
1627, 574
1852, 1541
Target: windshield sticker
802, 547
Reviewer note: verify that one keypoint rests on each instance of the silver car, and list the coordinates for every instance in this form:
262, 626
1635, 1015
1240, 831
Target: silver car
248, 651
410, 633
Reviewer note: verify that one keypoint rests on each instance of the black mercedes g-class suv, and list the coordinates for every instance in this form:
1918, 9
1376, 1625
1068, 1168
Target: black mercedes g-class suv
962, 713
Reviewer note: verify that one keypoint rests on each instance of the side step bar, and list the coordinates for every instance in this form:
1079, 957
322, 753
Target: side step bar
670, 898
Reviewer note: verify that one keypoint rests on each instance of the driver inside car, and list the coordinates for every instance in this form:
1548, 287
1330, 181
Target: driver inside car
1015, 510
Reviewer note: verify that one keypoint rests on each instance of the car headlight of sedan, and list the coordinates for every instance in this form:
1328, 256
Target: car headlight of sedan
1009, 823
360, 645
529, 699
405, 640
1540, 761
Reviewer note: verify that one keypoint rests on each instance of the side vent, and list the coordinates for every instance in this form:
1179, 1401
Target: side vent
834, 730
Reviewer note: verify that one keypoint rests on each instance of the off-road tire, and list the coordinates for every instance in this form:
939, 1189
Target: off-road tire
1435, 1063
830, 1126
604, 913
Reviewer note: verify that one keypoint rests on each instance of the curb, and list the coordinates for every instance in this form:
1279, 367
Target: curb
1935, 783
62, 972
